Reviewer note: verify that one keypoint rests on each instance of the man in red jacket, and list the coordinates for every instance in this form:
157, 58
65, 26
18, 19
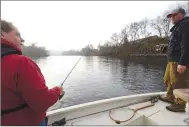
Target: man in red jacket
25, 97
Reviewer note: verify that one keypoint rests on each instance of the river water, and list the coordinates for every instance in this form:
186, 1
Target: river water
95, 78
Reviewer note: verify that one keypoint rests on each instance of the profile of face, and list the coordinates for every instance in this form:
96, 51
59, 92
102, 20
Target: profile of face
13, 36
176, 17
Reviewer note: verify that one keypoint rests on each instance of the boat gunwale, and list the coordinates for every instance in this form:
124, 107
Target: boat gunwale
99, 102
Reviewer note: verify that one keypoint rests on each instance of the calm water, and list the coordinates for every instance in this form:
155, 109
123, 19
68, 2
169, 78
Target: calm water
96, 78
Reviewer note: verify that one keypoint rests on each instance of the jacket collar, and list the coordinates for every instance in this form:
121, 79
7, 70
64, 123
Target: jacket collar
9, 44
8, 48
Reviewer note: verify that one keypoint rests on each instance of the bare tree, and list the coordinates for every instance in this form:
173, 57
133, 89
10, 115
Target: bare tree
143, 25
157, 25
165, 24
134, 31
116, 38
125, 34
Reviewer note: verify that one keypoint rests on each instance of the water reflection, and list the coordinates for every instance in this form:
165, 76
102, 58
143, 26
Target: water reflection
144, 75
96, 78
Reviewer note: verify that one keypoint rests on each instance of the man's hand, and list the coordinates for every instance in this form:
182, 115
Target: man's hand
181, 69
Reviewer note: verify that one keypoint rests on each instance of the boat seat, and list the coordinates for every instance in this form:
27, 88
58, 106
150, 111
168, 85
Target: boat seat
182, 94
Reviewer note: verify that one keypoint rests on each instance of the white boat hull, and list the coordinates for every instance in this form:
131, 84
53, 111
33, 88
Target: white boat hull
97, 113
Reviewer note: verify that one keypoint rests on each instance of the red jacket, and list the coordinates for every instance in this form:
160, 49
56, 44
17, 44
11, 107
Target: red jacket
22, 82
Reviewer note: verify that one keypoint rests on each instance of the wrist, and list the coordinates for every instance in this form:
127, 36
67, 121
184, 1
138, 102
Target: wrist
181, 65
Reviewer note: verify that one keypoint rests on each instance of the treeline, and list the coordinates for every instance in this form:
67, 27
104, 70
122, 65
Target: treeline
140, 37
35, 51
71, 52
87, 50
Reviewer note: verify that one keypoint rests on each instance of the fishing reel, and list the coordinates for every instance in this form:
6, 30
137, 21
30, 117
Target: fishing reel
154, 99
60, 97
61, 122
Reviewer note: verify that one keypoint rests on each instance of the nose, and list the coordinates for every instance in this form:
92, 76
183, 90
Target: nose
22, 40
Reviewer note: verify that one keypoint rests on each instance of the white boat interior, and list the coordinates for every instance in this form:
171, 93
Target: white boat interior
98, 112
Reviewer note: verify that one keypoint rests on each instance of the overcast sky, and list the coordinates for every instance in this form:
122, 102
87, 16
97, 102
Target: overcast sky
65, 25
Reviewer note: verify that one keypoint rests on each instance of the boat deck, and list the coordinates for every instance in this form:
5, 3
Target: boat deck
97, 113
155, 115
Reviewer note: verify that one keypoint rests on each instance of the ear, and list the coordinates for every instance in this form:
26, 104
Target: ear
2, 34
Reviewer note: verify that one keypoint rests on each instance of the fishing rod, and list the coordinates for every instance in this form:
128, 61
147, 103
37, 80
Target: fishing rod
68, 76
70, 71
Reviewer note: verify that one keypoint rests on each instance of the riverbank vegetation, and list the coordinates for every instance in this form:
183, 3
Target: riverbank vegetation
34, 51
